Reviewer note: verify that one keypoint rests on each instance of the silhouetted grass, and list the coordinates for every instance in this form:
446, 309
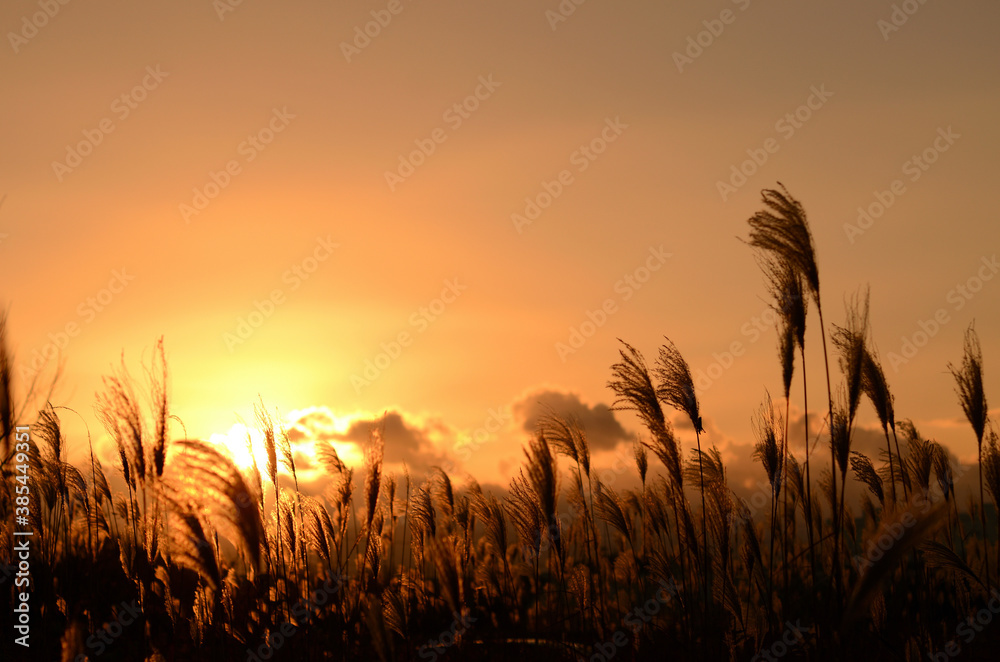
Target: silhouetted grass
225, 564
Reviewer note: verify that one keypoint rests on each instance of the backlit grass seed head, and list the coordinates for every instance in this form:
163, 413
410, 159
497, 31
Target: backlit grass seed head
969, 383
769, 449
635, 392
851, 341
783, 230
676, 387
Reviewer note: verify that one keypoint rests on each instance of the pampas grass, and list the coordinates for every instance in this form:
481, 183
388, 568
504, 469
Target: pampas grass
363, 563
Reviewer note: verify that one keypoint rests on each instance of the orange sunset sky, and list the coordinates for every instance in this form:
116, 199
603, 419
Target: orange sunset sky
284, 198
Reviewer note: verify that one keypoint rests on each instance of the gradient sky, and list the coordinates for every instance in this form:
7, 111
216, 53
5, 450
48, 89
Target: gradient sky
661, 133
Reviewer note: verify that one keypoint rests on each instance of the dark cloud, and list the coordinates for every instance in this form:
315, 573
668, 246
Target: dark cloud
604, 432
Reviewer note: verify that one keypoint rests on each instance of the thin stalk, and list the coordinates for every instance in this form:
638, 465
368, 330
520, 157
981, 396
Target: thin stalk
704, 522
808, 503
892, 473
833, 458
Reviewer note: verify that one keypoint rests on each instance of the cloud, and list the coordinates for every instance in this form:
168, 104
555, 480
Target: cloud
604, 432
410, 440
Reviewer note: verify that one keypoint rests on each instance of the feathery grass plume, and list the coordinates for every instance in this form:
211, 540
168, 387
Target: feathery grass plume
794, 483
635, 392
319, 529
609, 507
373, 554
389, 507
49, 431
343, 493
943, 472
266, 425
972, 397
770, 450
290, 535
785, 285
865, 472
782, 230
840, 436
790, 305
157, 374
567, 437
641, 459
676, 388
422, 521
543, 479
851, 341
524, 510
919, 459
936, 555
199, 474
374, 452
490, 513
287, 457
840, 445
118, 409
876, 388
444, 493
969, 384
328, 457
446, 563
187, 545
908, 527
256, 480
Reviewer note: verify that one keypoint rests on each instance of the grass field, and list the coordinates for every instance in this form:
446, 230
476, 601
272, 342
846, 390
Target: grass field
177, 554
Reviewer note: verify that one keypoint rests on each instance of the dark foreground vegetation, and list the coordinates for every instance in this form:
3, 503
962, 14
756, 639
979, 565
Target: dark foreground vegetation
192, 559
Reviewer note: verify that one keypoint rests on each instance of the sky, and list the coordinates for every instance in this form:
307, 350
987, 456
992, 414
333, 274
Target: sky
448, 213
